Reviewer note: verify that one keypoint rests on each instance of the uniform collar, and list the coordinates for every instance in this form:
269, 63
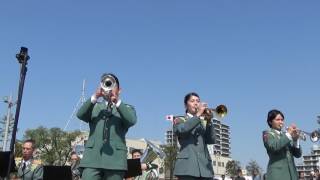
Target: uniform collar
27, 162
276, 131
189, 115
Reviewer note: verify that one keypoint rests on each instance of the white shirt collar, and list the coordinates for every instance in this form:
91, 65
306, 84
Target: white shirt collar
277, 131
189, 115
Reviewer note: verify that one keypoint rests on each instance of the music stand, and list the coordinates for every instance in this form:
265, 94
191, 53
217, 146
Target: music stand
134, 168
4, 163
57, 172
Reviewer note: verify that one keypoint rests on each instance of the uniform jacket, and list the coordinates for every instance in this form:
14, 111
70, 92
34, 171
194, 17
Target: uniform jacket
106, 146
32, 171
281, 152
193, 158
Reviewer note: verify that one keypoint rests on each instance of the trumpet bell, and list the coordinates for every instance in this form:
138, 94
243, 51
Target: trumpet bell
221, 110
108, 83
314, 136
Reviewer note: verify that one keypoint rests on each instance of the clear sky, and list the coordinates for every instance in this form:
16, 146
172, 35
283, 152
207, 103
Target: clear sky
252, 56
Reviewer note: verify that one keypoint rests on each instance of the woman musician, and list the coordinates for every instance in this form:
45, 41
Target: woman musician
281, 148
194, 133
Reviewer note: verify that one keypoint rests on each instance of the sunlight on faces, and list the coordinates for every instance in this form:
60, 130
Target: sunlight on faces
277, 122
27, 150
192, 104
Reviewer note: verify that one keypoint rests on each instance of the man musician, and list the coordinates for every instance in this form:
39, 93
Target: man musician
105, 155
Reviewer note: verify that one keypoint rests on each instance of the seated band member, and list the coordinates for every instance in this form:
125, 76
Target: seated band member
281, 148
29, 169
105, 155
148, 170
74, 164
194, 134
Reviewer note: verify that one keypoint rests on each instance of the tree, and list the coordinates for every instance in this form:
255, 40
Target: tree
53, 145
253, 166
18, 149
232, 167
171, 152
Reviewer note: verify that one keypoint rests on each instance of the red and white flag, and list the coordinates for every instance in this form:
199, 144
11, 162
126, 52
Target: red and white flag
169, 117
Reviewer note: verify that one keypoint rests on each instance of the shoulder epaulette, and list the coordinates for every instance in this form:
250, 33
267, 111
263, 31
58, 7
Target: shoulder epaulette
179, 119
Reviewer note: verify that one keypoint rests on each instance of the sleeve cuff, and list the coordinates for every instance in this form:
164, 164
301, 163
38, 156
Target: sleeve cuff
118, 103
93, 99
296, 143
289, 136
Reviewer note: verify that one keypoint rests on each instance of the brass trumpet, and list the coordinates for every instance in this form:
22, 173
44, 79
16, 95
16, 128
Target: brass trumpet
218, 113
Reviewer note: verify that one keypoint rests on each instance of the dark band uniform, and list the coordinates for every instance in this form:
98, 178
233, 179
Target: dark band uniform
281, 151
194, 135
106, 148
30, 170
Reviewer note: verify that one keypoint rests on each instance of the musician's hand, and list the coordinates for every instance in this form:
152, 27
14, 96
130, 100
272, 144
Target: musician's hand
114, 96
202, 106
290, 130
144, 166
99, 93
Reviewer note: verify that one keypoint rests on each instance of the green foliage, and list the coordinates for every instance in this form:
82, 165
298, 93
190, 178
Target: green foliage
169, 162
18, 149
53, 145
232, 167
253, 166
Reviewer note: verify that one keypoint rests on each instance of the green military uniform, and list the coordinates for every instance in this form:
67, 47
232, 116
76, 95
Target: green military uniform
147, 175
281, 151
30, 170
193, 159
105, 150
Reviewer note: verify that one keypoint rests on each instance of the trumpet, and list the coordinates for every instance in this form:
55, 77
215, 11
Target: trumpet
107, 84
314, 135
217, 113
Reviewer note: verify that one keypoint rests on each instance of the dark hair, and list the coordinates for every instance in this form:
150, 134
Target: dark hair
30, 141
73, 153
273, 114
239, 170
114, 76
136, 151
188, 96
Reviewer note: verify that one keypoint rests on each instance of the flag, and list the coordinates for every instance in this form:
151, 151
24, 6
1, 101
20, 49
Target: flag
169, 117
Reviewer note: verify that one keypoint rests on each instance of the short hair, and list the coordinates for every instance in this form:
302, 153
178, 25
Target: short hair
273, 114
188, 96
30, 141
239, 171
114, 76
73, 153
136, 151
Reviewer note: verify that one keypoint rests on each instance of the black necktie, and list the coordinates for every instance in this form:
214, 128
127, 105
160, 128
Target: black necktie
23, 166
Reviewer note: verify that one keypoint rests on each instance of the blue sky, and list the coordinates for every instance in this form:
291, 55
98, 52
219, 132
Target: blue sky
252, 56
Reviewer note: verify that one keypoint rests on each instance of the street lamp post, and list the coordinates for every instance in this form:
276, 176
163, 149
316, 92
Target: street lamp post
22, 58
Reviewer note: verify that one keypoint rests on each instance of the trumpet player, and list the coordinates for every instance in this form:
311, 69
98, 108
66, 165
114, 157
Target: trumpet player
194, 133
105, 155
281, 147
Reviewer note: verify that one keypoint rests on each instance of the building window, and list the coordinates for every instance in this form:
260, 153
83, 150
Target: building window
219, 164
214, 163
